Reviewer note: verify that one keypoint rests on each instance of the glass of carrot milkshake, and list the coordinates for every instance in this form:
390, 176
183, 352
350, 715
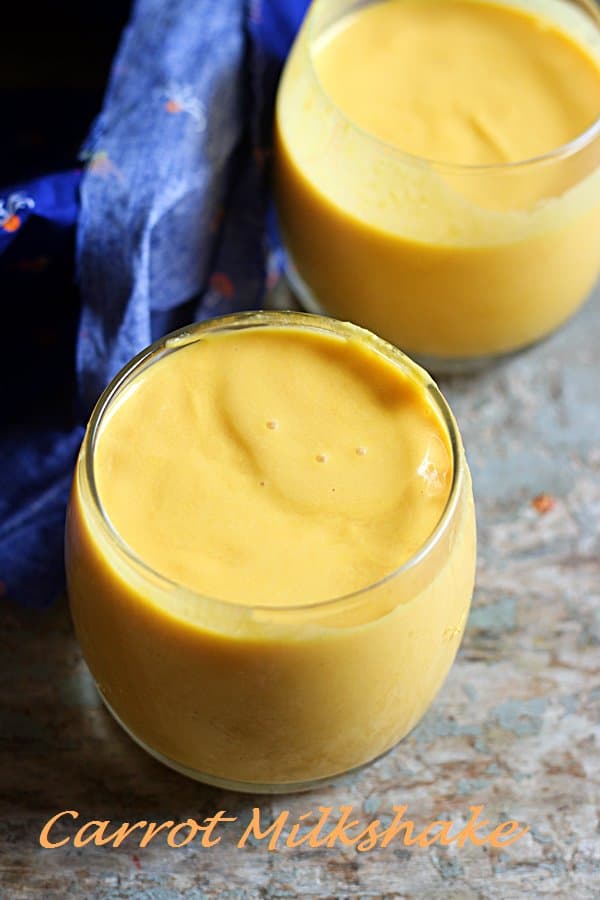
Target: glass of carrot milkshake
437, 170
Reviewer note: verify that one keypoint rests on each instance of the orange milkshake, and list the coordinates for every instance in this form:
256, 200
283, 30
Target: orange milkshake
270, 549
437, 169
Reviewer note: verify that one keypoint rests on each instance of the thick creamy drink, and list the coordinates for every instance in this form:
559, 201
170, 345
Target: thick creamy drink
270, 548
437, 169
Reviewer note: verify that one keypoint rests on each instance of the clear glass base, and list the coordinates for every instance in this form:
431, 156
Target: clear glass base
295, 787
435, 365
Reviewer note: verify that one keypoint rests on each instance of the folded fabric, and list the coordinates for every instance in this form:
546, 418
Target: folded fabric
167, 225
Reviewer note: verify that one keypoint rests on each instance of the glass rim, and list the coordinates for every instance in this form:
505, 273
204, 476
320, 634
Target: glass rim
180, 338
564, 151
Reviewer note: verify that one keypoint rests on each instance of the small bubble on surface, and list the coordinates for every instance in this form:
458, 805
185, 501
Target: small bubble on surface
434, 480
321, 457
272, 424
361, 451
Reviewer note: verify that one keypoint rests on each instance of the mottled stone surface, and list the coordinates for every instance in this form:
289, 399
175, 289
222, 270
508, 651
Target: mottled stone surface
515, 728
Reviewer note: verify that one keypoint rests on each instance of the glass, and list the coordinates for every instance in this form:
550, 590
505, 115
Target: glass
513, 251
261, 698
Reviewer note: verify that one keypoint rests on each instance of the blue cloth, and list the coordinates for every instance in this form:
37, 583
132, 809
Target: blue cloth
164, 225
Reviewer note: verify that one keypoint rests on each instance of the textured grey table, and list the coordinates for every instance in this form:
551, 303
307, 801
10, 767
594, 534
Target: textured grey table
515, 728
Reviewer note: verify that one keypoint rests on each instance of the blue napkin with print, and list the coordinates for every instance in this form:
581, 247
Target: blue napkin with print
160, 223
